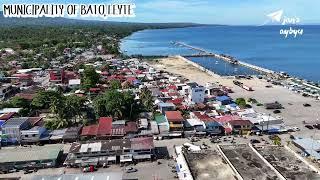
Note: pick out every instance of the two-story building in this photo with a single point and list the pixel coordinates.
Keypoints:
(33, 135)
(242, 127)
(110, 151)
(175, 120)
(13, 127)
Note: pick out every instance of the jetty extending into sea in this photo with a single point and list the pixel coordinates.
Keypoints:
(229, 59)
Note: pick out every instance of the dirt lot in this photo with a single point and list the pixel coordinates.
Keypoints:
(247, 163)
(287, 164)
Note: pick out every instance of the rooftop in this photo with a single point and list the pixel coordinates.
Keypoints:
(174, 116)
(15, 122)
(160, 119)
(105, 125)
(81, 176)
(90, 130)
(34, 153)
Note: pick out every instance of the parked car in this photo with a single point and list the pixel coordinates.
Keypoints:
(254, 141)
(306, 105)
(308, 126)
(317, 126)
(293, 129)
(131, 170)
(276, 111)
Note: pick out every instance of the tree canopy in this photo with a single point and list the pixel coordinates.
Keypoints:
(90, 77)
(116, 104)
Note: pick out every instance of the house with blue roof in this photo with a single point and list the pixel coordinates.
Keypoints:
(224, 100)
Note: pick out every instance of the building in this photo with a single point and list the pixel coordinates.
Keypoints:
(166, 107)
(81, 176)
(110, 151)
(143, 123)
(57, 76)
(36, 156)
(72, 134)
(224, 100)
(242, 127)
(175, 120)
(12, 128)
(163, 124)
(263, 122)
(212, 89)
(6, 116)
(104, 127)
(310, 147)
(103, 130)
(23, 80)
(74, 83)
(34, 134)
(197, 94)
(90, 131)
(213, 127)
(194, 125)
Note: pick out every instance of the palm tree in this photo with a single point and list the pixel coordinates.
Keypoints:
(146, 99)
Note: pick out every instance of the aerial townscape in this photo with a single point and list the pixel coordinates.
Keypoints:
(74, 105)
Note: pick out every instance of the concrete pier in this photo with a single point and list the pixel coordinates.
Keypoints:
(229, 59)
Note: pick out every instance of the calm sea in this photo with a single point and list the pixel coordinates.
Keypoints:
(259, 45)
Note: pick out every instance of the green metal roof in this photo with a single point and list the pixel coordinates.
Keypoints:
(160, 119)
(34, 153)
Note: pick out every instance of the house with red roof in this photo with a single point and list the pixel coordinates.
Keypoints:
(175, 120)
(22, 79)
(104, 127)
(89, 131)
(102, 130)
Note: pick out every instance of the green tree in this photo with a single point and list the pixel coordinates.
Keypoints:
(90, 77)
(74, 106)
(115, 84)
(241, 102)
(20, 102)
(43, 99)
(146, 99)
(116, 104)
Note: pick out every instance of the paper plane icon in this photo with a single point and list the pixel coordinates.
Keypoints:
(276, 16)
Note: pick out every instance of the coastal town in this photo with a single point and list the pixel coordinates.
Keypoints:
(99, 116)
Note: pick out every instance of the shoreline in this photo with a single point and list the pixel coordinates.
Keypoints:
(293, 114)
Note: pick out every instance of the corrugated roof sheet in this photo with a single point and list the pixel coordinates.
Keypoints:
(142, 143)
(174, 116)
(160, 119)
(89, 130)
(81, 176)
(30, 154)
(6, 116)
(105, 125)
(14, 122)
(131, 127)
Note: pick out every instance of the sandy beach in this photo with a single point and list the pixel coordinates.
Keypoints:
(294, 113)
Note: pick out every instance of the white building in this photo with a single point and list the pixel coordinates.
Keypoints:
(197, 94)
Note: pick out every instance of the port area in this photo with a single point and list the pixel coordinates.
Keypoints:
(247, 163)
(208, 165)
(230, 59)
(287, 163)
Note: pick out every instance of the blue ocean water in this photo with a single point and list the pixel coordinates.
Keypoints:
(258, 45)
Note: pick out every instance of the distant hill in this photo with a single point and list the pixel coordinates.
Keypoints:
(46, 21)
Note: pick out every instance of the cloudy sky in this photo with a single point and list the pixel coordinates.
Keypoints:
(231, 12)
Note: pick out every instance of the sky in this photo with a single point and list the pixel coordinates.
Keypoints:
(227, 12)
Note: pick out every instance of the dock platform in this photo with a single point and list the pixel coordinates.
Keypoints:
(229, 59)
